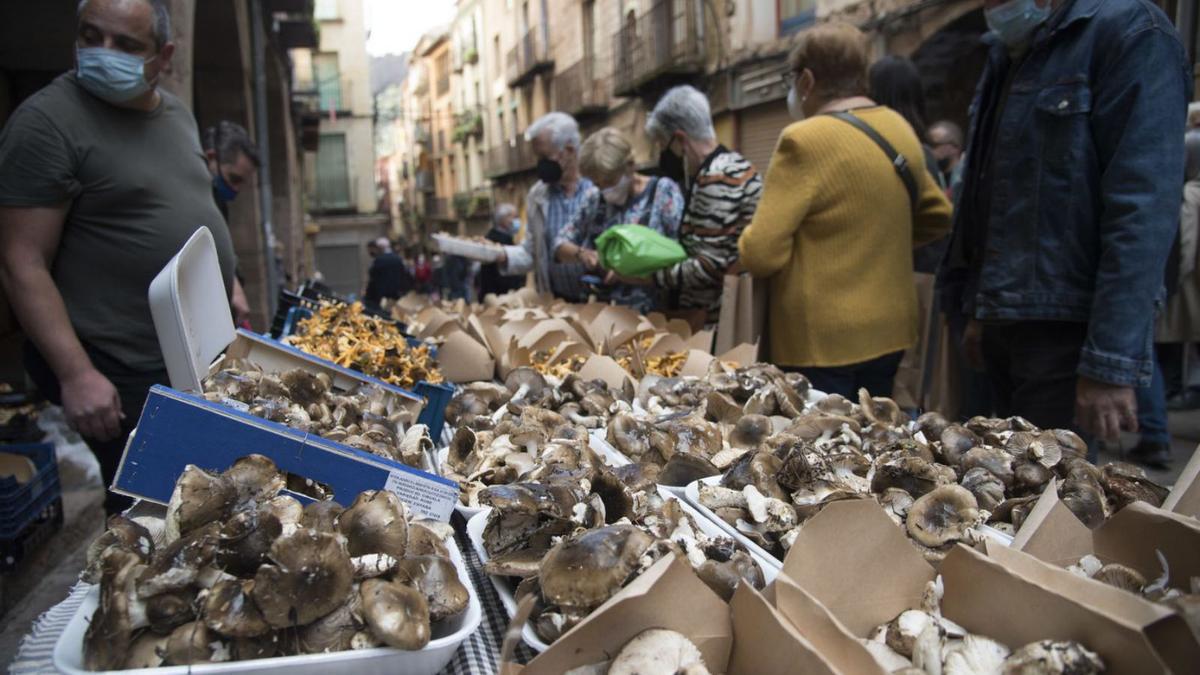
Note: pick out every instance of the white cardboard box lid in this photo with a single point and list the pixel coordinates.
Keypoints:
(191, 311)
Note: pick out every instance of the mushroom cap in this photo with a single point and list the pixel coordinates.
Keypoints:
(424, 541)
(749, 431)
(759, 469)
(176, 565)
(398, 615)
(1125, 484)
(123, 533)
(146, 651)
(255, 477)
(1029, 477)
(199, 498)
(998, 461)
(188, 644)
(658, 652)
(616, 496)
(437, 579)
(881, 411)
(334, 631)
(377, 522)
(724, 576)
(683, 468)
(1121, 576)
(304, 387)
(587, 569)
(932, 424)
(720, 407)
(527, 377)
(167, 611)
(909, 473)
(636, 477)
(230, 611)
(246, 540)
(987, 488)
(310, 578)
(110, 632)
(1086, 501)
(942, 516)
(956, 440)
(321, 516)
(1051, 657)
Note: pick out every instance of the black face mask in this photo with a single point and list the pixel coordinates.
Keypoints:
(944, 164)
(670, 165)
(549, 171)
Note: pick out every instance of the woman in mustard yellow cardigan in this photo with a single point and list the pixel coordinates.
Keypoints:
(836, 226)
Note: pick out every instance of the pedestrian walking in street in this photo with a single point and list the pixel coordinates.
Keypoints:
(946, 139)
(625, 197)
(233, 162)
(388, 277)
(504, 222)
(837, 224)
(1068, 208)
(551, 204)
(102, 181)
(721, 190)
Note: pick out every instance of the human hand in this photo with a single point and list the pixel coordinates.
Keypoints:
(92, 405)
(240, 305)
(590, 258)
(1103, 410)
(972, 344)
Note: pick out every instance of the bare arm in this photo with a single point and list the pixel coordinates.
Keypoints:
(29, 237)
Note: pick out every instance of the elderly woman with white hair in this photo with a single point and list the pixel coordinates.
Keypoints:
(551, 204)
(722, 190)
(625, 197)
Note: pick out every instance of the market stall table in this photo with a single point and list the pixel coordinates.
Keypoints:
(479, 654)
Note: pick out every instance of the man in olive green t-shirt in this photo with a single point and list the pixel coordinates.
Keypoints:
(102, 180)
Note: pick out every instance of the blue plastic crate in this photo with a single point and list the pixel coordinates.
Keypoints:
(21, 505)
(294, 316)
(433, 415)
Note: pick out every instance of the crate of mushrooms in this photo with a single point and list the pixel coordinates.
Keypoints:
(239, 573)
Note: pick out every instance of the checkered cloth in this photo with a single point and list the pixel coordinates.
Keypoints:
(480, 653)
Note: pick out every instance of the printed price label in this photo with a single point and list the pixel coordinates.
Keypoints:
(430, 498)
(236, 405)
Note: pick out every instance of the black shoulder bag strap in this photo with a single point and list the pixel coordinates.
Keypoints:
(898, 161)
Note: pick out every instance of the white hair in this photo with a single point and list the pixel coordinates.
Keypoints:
(162, 20)
(563, 130)
(503, 211)
(682, 108)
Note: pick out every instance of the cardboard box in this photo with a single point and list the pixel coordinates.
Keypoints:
(851, 570)
(1185, 495)
(766, 643)
(668, 595)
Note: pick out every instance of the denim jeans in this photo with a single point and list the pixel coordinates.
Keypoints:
(1152, 409)
(876, 376)
(1033, 369)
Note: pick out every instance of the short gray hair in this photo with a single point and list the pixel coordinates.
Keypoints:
(563, 129)
(230, 139)
(503, 211)
(682, 108)
(162, 20)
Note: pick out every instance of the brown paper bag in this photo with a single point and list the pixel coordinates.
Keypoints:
(743, 312)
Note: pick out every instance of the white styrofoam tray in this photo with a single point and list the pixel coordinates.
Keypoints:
(606, 452)
(472, 250)
(475, 527)
(430, 660)
(692, 496)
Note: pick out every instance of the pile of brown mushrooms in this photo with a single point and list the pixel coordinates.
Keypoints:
(578, 536)
(1181, 595)
(523, 430)
(367, 418)
(921, 641)
(239, 571)
(936, 479)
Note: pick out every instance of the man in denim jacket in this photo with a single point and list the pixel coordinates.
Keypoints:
(1069, 207)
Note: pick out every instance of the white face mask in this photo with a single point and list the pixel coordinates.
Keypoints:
(795, 104)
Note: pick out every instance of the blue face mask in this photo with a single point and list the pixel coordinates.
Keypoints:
(1016, 20)
(225, 191)
(111, 75)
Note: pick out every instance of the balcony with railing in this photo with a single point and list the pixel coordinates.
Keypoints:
(468, 124)
(529, 58)
(327, 95)
(423, 181)
(506, 159)
(475, 203)
(662, 46)
(466, 55)
(579, 91)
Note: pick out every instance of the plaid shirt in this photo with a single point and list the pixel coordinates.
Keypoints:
(549, 209)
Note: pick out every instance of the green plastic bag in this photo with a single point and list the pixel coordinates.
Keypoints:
(637, 251)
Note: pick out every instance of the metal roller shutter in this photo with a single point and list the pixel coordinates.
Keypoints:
(758, 131)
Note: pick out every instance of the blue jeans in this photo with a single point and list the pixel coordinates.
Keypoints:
(1152, 409)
